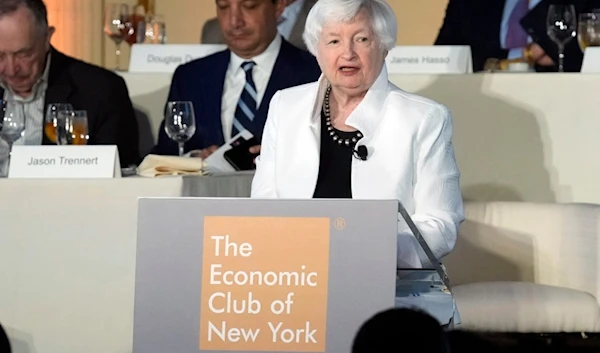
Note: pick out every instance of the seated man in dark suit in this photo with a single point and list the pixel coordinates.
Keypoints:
(231, 90)
(290, 24)
(34, 73)
(509, 29)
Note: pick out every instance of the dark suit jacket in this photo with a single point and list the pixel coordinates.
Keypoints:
(477, 23)
(103, 94)
(211, 31)
(201, 81)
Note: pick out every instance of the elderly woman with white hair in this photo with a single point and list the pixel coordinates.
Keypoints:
(353, 134)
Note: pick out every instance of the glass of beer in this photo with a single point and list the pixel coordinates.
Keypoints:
(51, 116)
(588, 31)
(72, 128)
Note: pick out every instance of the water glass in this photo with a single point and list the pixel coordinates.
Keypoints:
(72, 128)
(51, 117)
(588, 30)
(152, 30)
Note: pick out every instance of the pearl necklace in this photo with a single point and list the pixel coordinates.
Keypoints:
(349, 142)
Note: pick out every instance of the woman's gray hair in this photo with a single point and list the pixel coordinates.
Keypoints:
(383, 20)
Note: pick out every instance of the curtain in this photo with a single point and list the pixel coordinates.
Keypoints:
(78, 28)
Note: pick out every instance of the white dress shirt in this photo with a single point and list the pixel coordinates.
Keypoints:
(235, 79)
(33, 109)
(288, 18)
(411, 159)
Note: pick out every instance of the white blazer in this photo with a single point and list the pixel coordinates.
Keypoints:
(411, 159)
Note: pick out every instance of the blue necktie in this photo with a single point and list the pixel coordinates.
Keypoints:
(246, 107)
(516, 37)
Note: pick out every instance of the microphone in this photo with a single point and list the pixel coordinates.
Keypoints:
(361, 153)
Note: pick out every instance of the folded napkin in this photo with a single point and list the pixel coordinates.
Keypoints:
(155, 165)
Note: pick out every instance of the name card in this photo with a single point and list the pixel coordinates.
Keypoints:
(591, 60)
(438, 59)
(166, 57)
(64, 162)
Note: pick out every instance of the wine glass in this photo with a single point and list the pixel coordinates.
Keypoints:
(133, 25)
(130, 32)
(115, 26)
(72, 128)
(51, 116)
(180, 123)
(561, 25)
(12, 124)
(588, 30)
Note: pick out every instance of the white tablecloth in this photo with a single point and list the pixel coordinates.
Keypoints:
(518, 136)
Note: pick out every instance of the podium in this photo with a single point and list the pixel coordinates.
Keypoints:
(250, 275)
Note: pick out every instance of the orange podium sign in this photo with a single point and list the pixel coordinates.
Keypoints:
(264, 284)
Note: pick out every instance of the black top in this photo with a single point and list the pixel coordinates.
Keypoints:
(335, 168)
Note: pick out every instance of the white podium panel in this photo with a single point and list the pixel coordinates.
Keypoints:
(249, 275)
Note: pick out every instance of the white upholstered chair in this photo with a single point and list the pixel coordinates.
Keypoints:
(527, 267)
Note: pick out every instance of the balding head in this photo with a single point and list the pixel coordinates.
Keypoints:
(24, 42)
